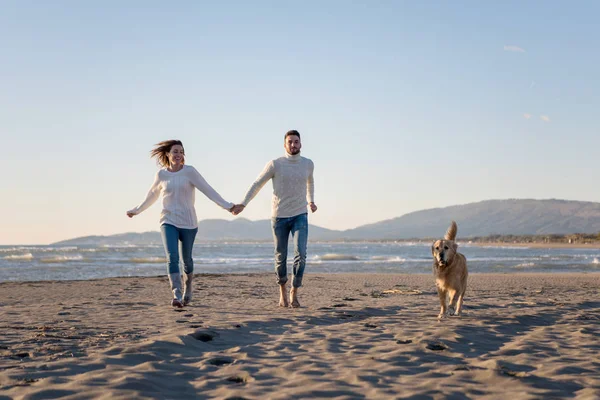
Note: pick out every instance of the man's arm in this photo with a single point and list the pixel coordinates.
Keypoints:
(310, 188)
(267, 173)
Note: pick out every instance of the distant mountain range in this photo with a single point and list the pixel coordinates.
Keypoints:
(503, 217)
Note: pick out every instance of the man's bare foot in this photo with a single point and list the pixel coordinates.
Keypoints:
(294, 298)
(282, 296)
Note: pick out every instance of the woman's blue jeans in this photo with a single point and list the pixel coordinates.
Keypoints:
(282, 228)
(175, 239)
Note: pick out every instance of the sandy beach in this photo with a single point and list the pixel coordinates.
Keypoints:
(370, 336)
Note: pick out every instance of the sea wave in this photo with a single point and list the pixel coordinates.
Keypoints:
(22, 257)
(337, 257)
(500, 259)
(9, 250)
(386, 259)
(524, 265)
(60, 259)
(242, 261)
(497, 247)
(37, 249)
(95, 250)
(413, 244)
(120, 246)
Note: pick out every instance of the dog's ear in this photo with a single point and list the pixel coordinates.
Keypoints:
(432, 250)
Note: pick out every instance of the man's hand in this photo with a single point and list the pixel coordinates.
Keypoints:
(236, 209)
(130, 214)
(313, 207)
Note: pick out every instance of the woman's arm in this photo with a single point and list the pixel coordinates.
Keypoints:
(200, 183)
(151, 197)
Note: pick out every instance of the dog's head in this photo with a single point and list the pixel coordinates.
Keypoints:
(443, 252)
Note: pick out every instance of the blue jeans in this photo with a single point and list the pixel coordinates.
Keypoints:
(172, 237)
(298, 227)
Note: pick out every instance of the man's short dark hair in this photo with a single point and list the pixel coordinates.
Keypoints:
(293, 132)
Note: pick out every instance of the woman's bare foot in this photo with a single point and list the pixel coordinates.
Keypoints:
(294, 298)
(282, 296)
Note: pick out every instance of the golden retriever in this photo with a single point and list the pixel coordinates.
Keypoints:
(450, 271)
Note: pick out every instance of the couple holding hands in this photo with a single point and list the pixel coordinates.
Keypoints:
(293, 189)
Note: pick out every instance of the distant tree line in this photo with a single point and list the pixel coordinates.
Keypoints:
(572, 238)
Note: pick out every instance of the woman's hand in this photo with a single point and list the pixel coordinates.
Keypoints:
(131, 213)
(236, 209)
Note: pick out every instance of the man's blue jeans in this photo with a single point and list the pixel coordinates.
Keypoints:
(282, 228)
(172, 237)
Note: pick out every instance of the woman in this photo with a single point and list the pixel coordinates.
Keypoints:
(178, 223)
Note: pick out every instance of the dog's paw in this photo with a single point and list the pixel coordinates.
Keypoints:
(440, 316)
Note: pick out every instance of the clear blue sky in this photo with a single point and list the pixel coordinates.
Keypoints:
(403, 105)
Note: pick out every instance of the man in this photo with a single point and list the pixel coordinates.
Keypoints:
(293, 188)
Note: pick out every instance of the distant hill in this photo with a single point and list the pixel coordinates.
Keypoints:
(208, 230)
(244, 229)
(502, 217)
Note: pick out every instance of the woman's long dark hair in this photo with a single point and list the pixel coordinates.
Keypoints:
(161, 149)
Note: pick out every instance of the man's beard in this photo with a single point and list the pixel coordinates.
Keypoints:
(294, 152)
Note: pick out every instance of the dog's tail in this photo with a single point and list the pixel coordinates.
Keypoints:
(451, 232)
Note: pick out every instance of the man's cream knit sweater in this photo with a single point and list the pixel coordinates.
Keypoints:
(293, 185)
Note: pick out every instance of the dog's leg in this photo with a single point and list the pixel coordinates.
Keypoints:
(459, 303)
(442, 295)
(453, 296)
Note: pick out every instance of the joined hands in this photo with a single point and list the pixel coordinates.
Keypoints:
(236, 209)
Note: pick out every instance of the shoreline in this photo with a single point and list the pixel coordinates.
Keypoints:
(201, 275)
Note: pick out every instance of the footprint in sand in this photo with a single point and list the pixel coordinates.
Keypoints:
(20, 356)
(339, 305)
(238, 379)
(219, 361)
(26, 381)
(437, 346)
(204, 336)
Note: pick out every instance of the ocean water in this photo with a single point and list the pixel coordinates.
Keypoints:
(32, 263)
